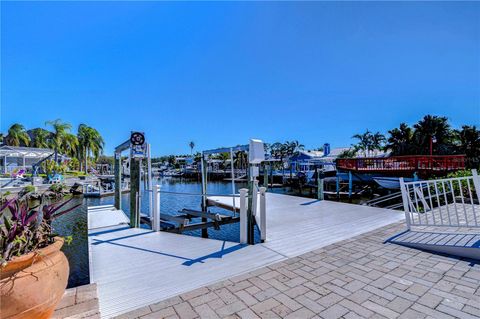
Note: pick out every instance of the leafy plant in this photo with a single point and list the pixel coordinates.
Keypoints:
(29, 189)
(58, 188)
(50, 167)
(466, 185)
(24, 229)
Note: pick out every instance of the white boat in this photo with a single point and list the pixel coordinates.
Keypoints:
(391, 182)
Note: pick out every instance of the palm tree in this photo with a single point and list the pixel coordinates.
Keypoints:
(377, 141)
(17, 135)
(279, 150)
(192, 145)
(40, 138)
(70, 144)
(1, 138)
(469, 139)
(294, 147)
(350, 153)
(364, 142)
(60, 131)
(433, 128)
(90, 142)
(400, 141)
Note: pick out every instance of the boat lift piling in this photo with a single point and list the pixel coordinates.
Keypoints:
(139, 150)
(319, 176)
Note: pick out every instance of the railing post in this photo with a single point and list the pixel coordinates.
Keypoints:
(243, 215)
(405, 202)
(476, 183)
(263, 214)
(156, 208)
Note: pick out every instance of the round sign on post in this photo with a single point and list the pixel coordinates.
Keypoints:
(137, 145)
(137, 138)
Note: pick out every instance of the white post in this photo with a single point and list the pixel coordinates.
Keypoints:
(476, 183)
(263, 214)
(233, 179)
(156, 208)
(243, 215)
(204, 183)
(405, 202)
(149, 177)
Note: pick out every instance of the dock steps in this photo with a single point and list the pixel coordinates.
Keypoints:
(106, 216)
(457, 244)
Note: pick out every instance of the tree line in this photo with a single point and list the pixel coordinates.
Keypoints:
(432, 134)
(84, 146)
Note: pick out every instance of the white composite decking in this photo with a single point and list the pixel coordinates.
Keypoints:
(136, 267)
(296, 225)
(105, 216)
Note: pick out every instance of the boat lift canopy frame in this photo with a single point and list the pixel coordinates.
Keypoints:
(135, 194)
(252, 168)
(238, 148)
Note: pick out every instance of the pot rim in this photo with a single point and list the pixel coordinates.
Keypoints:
(56, 245)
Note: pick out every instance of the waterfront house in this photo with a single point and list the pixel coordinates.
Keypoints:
(19, 157)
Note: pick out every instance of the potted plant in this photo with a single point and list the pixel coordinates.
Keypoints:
(33, 270)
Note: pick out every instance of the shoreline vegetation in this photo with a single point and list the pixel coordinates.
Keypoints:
(431, 135)
(83, 148)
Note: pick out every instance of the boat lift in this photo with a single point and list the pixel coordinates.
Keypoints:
(256, 155)
(247, 205)
(139, 150)
(242, 203)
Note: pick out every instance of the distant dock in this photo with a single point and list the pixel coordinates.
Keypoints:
(134, 267)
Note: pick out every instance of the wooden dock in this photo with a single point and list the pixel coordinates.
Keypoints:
(135, 267)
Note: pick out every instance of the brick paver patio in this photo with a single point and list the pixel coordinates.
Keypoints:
(356, 278)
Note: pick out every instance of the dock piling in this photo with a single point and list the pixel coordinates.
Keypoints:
(204, 192)
(135, 196)
(338, 186)
(350, 185)
(118, 180)
(156, 208)
(263, 214)
(319, 178)
(243, 215)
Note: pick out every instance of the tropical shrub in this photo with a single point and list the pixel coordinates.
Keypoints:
(29, 189)
(25, 229)
(58, 188)
(73, 164)
(49, 166)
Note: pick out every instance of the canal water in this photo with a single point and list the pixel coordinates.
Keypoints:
(75, 223)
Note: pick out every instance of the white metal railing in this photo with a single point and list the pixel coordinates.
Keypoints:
(451, 202)
(258, 198)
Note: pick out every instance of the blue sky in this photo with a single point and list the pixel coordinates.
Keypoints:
(220, 73)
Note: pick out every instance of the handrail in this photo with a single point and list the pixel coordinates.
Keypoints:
(403, 163)
(449, 202)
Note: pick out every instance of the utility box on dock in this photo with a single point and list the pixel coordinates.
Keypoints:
(256, 152)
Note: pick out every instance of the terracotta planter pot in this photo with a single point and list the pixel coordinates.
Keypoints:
(32, 285)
